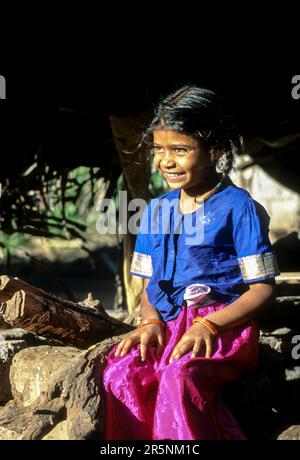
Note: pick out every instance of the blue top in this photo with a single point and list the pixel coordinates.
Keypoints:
(223, 244)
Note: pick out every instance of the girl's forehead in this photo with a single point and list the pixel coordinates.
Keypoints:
(168, 137)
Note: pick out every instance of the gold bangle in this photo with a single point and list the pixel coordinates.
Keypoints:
(145, 322)
(206, 323)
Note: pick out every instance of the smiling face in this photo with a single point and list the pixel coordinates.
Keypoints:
(182, 160)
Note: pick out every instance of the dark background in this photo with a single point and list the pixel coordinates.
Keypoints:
(65, 104)
(259, 93)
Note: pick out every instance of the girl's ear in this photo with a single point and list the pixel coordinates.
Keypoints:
(215, 154)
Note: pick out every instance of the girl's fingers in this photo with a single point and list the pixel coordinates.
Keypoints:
(124, 346)
(208, 348)
(196, 349)
(119, 348)
(174, 353)
(177, 353)
(127, 346)
(143, 348)
(160, 346)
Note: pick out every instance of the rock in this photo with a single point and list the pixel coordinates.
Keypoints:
(8, 435)
(273, 342)
(282, 331)
(20, 334)
(8, 348)
(291, 434)
(58, 433)
(5, 391)
(11, 342)
(33, 368)
(278, 341)
(7, 351)
(74, 392)
(293, 373)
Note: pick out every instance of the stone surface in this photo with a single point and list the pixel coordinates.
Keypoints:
(7, 351)
(5, 391)
(273, 342)
(292, 373)
(278, 341)
(20, 334)
(8, 435)
(73, 392)
(291, 434)
(33, 368)
(58, 433)
(282, 331)
(8, 348)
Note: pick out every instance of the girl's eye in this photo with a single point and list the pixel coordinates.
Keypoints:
(180, 150)
(157, 150)
(176, 150)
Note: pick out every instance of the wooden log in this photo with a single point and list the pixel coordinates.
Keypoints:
(9, 286)
(54, 320)
(3, 324)
(74, 395)
(45, 314)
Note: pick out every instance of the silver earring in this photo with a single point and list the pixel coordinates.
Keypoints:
(222, 164)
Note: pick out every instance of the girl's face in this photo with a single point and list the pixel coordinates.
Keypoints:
(181, 159)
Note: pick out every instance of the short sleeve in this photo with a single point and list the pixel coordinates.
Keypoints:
(141, 264)
(256, 256)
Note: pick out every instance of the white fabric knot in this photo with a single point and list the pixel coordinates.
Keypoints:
(196, 293)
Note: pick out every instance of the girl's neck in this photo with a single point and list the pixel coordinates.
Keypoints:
(200, 191)
(191, 200)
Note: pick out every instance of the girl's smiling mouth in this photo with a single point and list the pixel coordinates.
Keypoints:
(173, 177)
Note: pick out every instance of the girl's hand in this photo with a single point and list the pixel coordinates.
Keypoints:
(198, 338)
(145, 335)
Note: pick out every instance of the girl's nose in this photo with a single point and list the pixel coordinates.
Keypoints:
(167, 160)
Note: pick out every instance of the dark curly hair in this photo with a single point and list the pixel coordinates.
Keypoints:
(197, 112)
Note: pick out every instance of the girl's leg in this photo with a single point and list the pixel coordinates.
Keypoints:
(188, 404)
(130, 388)
(181, 400)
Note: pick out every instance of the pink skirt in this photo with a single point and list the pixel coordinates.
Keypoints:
(154, 400)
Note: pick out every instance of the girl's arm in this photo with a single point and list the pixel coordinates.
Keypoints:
(199, 339)
(144, 336)
(246, 307)
(147, 310)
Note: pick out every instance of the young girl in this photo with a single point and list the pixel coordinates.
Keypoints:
(201, 290)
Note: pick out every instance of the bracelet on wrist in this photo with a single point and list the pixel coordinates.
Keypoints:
(207, 324)
(147, 321)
